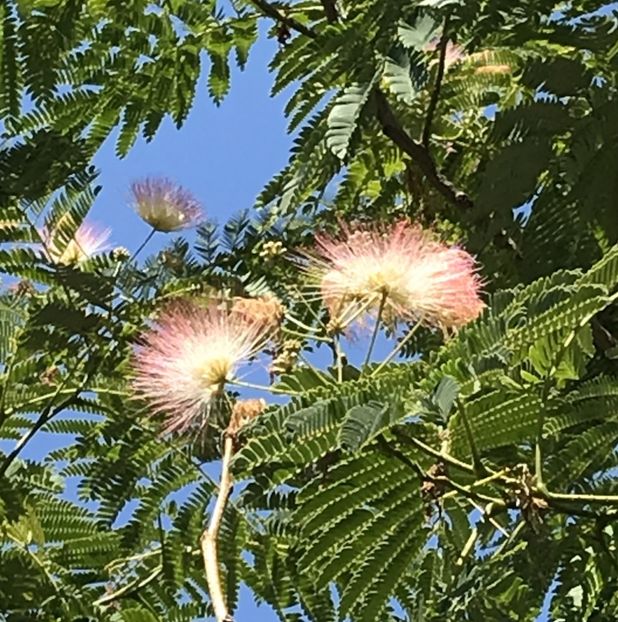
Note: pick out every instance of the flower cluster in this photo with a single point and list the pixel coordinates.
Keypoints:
(164, 205)
(189, 354)
(400, 272)
(397, 272)
(87, 241)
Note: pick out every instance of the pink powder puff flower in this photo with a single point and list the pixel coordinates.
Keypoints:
(164, 205)
(399, 268)
(87, 241)
(188, 355)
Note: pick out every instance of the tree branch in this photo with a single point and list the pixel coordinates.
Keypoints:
(130, 588)
(435, 94)
(390, 125)
(46, 415)
(393, 130)
(208, 541)
(446, 458)
(330, 10)
(269, 10)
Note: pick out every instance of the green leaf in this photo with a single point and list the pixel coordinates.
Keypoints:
(343, 117)
(419, 36)
(363, 423)
(496, 420)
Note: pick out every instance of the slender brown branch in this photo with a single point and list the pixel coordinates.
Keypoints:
(393, 130)
(390, 125)
(209, 538)
(46, 415)
(435, 94)
(269, 10)
(330, 10)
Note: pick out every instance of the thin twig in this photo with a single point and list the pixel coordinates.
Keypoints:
(582, 498)
(339, 359)
(46, 415)
(376, 329)
(261, 387)
(435, 94)
(468, 547)
(393, 130)
(208, 541)
(397, 348)
(268, 10)
(443, 457)
(538, 454)
(130, 588)
(476, 458)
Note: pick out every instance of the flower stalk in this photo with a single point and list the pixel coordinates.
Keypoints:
(208, 541)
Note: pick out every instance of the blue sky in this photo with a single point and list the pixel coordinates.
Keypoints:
(224, 155)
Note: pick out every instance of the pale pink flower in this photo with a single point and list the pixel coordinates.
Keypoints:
(164, 205)
(188, 355)
(402, 269)
(87, 241)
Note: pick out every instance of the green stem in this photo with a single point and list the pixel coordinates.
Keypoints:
(538, 452)
(467, 491)
(312, 336)
(142, 245)
(441, 456)
(129, 588)
(469, 545)
(261, 387)
(583, 498)
(476, 458)
(339, 362)
(397, 348)
(358, 312)
(376, 329)
(300, 324)
(136, 253)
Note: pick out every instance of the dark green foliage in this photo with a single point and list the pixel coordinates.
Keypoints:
(476, 479)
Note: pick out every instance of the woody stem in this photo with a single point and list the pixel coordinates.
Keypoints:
(208, 541)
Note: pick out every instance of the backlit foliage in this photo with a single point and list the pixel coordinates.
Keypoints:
(464, 474)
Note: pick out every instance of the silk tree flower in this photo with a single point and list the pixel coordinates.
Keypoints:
(399, 269)
(87, 241)
(188, 355)
(164, 205)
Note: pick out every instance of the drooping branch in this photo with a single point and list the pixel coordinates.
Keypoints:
(208, 541)
(435, 93)
(422, 158)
